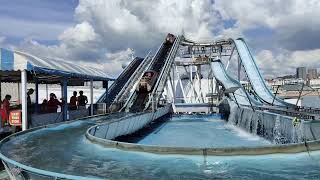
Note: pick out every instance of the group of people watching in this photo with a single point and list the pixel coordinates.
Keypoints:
(51, 106)
(79, 102)
(76, 102)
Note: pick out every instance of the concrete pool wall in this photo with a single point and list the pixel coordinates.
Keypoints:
(127, 125)
(276, 128)
(279, 129)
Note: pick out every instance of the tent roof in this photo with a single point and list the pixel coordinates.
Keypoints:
(18, 61)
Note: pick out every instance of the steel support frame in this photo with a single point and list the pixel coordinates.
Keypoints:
(239, 68)
(180, 83)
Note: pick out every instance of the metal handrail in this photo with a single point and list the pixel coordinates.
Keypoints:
(164, 72)
(135, 82)
(130, 83)
(103, 96)
(132, 96)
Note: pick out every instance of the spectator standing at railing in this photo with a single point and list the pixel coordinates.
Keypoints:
(30, 107)
(30, 92)
(73, 101)
(82, 100)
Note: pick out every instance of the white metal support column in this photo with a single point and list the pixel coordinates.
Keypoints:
(230, 57)
(181, 86)
(91, 97)
(24, 100)
(174, 83)
(239, 68)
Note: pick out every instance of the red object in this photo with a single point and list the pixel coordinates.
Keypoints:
(3, 116)
(15, 118)
(5, 110)
(53, 105)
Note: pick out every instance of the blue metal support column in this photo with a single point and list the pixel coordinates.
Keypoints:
(65, 99)
(37, 95)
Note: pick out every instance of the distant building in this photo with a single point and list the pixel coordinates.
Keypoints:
(312, 73)
(302, 73)
(315, 83)
(274, 83)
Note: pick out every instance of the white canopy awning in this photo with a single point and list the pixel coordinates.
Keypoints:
(18, 61)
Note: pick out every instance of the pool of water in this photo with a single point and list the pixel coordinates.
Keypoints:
(205, 131)
(64, 149)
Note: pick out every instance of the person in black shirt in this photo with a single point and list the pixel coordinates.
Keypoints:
(73, 101)
(30, 92)
(82, 100)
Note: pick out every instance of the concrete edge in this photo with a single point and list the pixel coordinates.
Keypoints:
(232, 151)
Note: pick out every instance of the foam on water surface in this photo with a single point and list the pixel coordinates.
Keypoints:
(200, 131)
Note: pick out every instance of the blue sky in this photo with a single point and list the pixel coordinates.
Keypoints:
(19, 18)
(104, 32)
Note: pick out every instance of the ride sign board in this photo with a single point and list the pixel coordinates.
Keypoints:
(15, 118)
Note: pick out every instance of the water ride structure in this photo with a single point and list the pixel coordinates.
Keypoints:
(180, 113)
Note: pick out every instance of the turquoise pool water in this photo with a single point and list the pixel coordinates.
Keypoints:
(203, 131)
(64, 149)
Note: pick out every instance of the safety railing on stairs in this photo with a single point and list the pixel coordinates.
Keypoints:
(160, 84)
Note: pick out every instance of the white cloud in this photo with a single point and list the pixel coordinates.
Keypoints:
(82, 32)
(309, 58)
(286, 62)
(117, 60)
(2, 39)
(141, 24)
(106, 30)
(120, 55)
(293, 21)
(230, 33)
